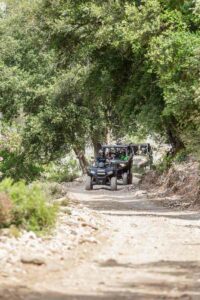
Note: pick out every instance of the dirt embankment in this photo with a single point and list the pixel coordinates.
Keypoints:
(181, 181)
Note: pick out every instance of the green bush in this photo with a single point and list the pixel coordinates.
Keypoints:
(167, 161)
(165, 164)
(16, 166)
(52, 190)
(5, 209)
(181, 156)
(30, 208)
(62, 172)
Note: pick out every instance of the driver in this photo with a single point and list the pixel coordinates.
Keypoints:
(100, 157)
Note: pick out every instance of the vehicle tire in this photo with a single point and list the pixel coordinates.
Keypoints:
(88, 184)
(113, 183)
(125, 178)
(130, 179)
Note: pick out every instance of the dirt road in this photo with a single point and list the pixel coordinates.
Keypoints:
(148, 252)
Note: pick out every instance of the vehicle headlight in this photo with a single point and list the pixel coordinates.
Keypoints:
(110, 172)
(92, 172)
(122, 165)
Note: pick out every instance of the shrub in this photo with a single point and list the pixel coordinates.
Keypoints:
(52, 190)
(181, 156)
(168, 160)
(65, 171)
(16, 166)
(30, 208)
(5, 209)
(165, 164)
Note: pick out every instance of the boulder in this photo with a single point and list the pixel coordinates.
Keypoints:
(33, 259)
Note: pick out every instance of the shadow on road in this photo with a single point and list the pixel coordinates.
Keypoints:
(125, 203)
(28, 295)
(129, 206)
(189, 217)
(182, 279)
(185, 283)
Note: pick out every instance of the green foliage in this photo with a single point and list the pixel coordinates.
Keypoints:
(5, 210)
(62, 171)
(168, 160)
(181, 156)
(15, 163)
(77, 68)
(165, 164)
(65, 202)
(17, 167)
(30, 209)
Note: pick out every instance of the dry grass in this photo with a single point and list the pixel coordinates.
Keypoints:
(5, 209)
(181, 179)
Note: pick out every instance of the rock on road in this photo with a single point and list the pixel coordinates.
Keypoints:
(148, 252)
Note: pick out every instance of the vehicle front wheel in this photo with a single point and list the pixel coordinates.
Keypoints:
(88, 183)
(125, 178)
(113, 183)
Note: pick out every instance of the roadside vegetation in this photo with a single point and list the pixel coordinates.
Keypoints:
(65, 170)
(25, 207)
(169, 159)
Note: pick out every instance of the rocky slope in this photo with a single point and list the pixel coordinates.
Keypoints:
(76, 225)
(181, 184)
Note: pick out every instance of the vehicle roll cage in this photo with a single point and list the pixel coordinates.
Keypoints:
(144, 148)
(116, 149)
(130, 149)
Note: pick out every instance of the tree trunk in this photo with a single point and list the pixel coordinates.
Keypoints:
(108, 136)
(82, 159)
(97, 146)
(171, 126)
(175, 141)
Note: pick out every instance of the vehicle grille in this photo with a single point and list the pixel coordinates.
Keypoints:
(101, 172)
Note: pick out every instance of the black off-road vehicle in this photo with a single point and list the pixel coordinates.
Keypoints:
(113, 163)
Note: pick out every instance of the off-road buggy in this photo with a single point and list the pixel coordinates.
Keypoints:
(143, 150)
(113, 163)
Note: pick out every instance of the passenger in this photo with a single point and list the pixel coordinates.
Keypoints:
(117, 155)
(108, 154)
(124, 156)
(113, 155)
(143, 149)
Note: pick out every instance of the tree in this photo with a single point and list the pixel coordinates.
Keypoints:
(83, 69)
